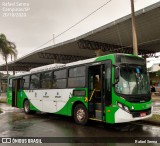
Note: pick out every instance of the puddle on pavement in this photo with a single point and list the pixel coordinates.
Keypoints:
(156, 103)
(11, 133)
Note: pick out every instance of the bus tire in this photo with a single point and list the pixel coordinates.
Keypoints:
(80, 114)
(27, 107)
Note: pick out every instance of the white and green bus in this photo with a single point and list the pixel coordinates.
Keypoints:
(113, 88)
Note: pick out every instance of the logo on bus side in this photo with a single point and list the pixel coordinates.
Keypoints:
(57, 96)
(45, 95)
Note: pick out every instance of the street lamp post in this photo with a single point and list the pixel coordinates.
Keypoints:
(134, 33)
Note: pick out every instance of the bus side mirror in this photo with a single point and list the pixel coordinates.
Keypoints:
(116, 75)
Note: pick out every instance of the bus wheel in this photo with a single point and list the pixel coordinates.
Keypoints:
(80, 114)
(27, 107)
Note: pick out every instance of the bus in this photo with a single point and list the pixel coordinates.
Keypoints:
(113, 88)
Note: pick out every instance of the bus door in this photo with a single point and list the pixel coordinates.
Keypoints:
(96, 91)
(16, 87)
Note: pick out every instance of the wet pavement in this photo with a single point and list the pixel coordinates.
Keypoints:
(15, 123)
(155, 119)
(156, 105)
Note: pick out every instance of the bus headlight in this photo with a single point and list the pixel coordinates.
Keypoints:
(126, 108)
(120, 105)
(123, 107)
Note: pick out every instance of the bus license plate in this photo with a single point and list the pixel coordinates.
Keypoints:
(142, 114)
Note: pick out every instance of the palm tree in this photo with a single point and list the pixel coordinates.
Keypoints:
(7, 48)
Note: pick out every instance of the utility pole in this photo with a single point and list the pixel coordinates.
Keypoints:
(53, 39)
(134, 33)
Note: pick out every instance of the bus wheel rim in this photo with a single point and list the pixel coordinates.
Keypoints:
(26, 106)
(80, 115)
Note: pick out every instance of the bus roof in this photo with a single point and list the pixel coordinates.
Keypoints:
(55, 66)
(59, 65)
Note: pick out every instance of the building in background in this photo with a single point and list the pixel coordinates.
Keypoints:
(154, 73)
(3, 82)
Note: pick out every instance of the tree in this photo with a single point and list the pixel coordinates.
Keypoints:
(1, 76)
(7, 49)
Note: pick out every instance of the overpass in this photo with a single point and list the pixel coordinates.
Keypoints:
(115, 37)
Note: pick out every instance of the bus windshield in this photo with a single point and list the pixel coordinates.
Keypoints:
(133, 80)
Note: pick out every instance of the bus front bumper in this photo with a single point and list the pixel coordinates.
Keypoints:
(122, 116)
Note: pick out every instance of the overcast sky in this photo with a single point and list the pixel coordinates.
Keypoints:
(48, 17)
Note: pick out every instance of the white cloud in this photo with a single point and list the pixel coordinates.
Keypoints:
(48, 17)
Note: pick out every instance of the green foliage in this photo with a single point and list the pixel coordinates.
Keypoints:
(7, 49)
(158, 73)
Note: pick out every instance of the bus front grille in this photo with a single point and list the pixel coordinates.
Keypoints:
(138, 113)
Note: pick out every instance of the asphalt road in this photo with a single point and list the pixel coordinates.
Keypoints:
(156, 104)
(15, 123)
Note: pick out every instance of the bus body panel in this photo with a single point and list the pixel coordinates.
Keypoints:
(61, 101)
(122, 116)
(52, 101)
(115, 114)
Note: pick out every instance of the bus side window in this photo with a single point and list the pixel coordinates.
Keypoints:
(77, 77)
(35, 81)
(60, 79)
(54, 85)
(22, 83)
(108, 82)
(46, 80)
(26, 82)
(10, 83)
